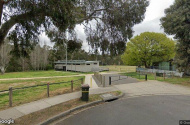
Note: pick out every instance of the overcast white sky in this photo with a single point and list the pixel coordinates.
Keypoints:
(151, 22)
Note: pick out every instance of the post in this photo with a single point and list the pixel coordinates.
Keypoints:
(146, 77)
(48, 90)
(139, 74)
(81, 81)
(155, 75)
(119, 77)
(101, 78)
(91, 82)
(164, 75)
(10, 96)
(110, 80)
(71, 85)
(172, 74)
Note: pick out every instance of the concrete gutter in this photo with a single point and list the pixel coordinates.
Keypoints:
(66, 113)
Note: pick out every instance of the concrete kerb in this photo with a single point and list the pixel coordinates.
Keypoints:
(61, 115)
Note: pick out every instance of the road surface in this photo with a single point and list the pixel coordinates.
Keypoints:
(144, 103)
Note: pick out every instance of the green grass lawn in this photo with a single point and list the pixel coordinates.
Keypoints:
(174, 80)
(31, 94)
(36, 74)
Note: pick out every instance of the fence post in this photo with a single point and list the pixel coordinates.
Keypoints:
(100, 78)
(155, 75)
(71, 85)
(48, 90)
(164, 75)
(110, 80)
(10, 96)
(91, 82)
(81, 81)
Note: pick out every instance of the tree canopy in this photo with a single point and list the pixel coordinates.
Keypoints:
(23, 20)
(147, 48)
(177, 22)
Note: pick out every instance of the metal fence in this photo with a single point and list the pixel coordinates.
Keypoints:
(168, 73)
(11, 90)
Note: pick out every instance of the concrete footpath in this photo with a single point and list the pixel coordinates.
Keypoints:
(19, 111)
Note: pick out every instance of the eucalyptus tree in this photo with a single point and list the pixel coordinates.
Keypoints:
(177, 23)
(23, 20)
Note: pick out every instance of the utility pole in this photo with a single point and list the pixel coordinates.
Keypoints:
(66, 56)
(66, 53)
(96, 53)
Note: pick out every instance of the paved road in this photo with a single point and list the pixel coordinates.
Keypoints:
(148, 110)
(145, 103)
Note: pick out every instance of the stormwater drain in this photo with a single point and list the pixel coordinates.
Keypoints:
(108, 97)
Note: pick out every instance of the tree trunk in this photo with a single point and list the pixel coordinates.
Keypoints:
(145, 64)
(1, 10)
(2, 70)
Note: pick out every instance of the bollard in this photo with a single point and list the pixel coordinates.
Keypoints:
(10, 96)
(119, 77)
(48, 90)
(71, 85)
(146, 77)
(110, 80)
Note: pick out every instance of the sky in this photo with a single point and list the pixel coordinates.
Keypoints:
(151, 23)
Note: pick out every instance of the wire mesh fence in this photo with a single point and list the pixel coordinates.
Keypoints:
(159, 71)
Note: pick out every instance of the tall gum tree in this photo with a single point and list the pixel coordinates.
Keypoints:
(177, 23)
(23, 20)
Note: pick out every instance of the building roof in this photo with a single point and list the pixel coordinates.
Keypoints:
(74, 62)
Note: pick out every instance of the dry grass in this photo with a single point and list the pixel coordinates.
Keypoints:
(42, 115)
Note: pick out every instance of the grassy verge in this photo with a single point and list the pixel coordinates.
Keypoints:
(32, 94)
(31, 74)
(42, 115)
(174, 80)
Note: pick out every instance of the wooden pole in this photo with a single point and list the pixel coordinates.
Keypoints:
(48, 90)
(100, 78)
(164, 75)
(91, 82)
(155, 75)
(10, 96)
(71, 85)
(81, 81)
